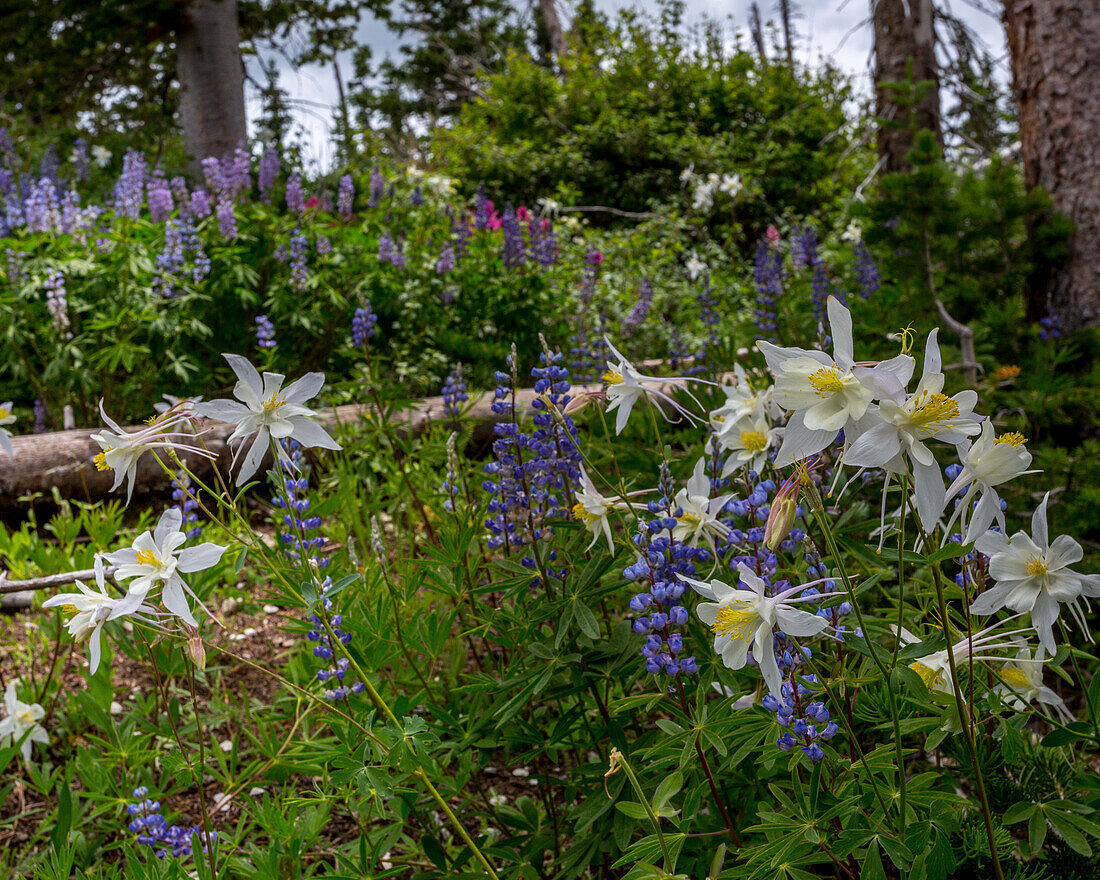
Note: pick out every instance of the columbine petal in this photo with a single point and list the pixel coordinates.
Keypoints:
(199, 557)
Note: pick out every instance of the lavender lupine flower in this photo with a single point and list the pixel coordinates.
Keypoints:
(170, 261)
(159, 195)
(325, 648)
(454, 392)
(345, 197)
(15, 261)
(301, 540)
(513, 248)
(385, 248)
(238, 173)
(708, 313)
(187, 504)
(1050, 325)
(80, 159)
(57, 302)
(227, 219)
(265, 332)
(214, 176)
(362, 325)
(866, 271)
(129, 193)
(482, 209)
(377, 187)
(446, 262)
(324, 246)
(181, 194)
(416, 198)
(398, 258)
(192, 243)
(588, 349)
(297, 255)
(7, 148)
(533, 477)
(768, 276)
(544, 241)
(41, 210)
(70, 211)
(200, 203)
(152, 829)
(39, 416)
(50, 165)
(268, 173)
(641, 306)
(294, 201)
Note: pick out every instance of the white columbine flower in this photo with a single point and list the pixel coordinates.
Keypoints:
(695, 266)
(1022, 683)
(592, 509)
(743, 402)
(1033, 574)
(988, 463)
(626, 386)
(744, 618)
(121, 449)
(93, 609)
(826, 394)
(267, 411)
(731, 185)
(748, 443)
(6, 418)
(935, 668)
(696, 512)
(852, 233)
(900, 427)
(155, 557)
(22, 718)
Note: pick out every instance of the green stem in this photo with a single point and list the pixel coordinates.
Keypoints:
(637, 786)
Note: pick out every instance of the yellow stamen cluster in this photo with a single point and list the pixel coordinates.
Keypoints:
(931, 677)
(613, 377)
(581, 513)
(4, 412)
(908, 338)
(689, 518)
(101, 461)
(932, 411)
(146, 557)
(737, 620)
(274, 403)
(1013, 438)
(754, 441)
(1035, 567)
(1014, 677)
(826, 381)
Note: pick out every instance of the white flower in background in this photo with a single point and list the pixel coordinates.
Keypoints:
(185, 405)
(731, 185)
(1033, 574)
(695, 266)
(548, 207)
(900, 427)
(935, 668)
(697, 514)
(989, 462)
(743, 402)
(440, 184)
(121, 449)
(747, 618)
(852, 233)
(592, 509)
(827, 394)
(101, 156)
(748, 443)
(21, 719)
(626, 386)
(7, 417)
(1022, 684)
(687, 175)
(92, 609)
(155, 557)
(267, 411)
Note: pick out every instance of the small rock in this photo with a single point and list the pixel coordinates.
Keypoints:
(116, 707)
(249, 631)
(230, 605)
(222, 802)
(271, 609)
(521, 772)
(255, 792)
(226, 745)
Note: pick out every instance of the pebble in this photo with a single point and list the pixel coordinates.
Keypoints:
(226, 745)
(521, 772)
(116, 707)
(222, 802)
(271, 609)
(230, 605)
(255, 792)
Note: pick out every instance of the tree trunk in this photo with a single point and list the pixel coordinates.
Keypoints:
(756, 28)
(211, 77)
(788, 32)
(555, 35)
(905, 46)
(1054, 47)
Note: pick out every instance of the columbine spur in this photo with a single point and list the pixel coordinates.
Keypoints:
(267, 411)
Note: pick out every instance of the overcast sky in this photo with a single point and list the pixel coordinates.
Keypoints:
(837, 29)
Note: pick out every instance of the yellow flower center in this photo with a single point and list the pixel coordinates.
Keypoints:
(931, 677)
(737, 620)
(613, 377)
(1014, 438)
(4, 412)
(933, 410)
(101, 461)
(274, 403)
(826, 381)
(1014, 677)
(68, 609)
(27, 718)
(690, 518)
(754, 441)
(1035, 567)
(146, 557)
(580, 512)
